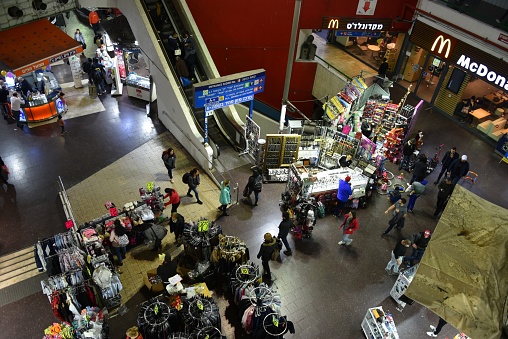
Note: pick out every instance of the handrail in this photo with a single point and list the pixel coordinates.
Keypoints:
(331, 66)
(175, 76)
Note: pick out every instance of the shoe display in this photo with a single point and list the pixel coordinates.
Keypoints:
(431, 334)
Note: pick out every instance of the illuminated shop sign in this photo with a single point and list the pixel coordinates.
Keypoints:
(482, 71)
(443, 45)
(356, 24)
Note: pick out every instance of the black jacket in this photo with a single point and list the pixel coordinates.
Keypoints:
(445, 190)
(399, 250)
(448, 159)
(177, 226)
(4, 94)
(458, 169)
(420, 241)
(252, 181)
(284, 227)
(194, 181)
(408, 149)
(420, 170)
(343, 162)
(266, 250)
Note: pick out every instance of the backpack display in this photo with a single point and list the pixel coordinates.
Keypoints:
(258, 183)
(185, 178)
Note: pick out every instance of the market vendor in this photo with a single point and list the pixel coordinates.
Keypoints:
(345, 161)
(24, 86)
(344, 193)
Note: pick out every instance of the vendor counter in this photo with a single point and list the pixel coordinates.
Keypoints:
(41, 108)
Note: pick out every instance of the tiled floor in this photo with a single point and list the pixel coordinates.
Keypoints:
(326, 289)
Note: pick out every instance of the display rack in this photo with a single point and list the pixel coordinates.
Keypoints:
(378, 325)
(277, 174)
(401, 285)
(335, 145)
(252, 135)
(281, 150)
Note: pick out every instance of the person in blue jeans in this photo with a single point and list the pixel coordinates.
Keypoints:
(416, 189)
(194, 182)
(119, 241)
(284, 227)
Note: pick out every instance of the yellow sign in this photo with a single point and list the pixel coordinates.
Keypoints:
(150, 185)
(442, 43)
(333, 24)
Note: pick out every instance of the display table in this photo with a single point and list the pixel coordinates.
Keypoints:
(401, 285)
(40, 109)
(138, 87)
(378, 325)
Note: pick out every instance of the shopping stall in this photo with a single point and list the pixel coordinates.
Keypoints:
(39, 90)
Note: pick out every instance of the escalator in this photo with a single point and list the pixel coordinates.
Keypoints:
(225, 135)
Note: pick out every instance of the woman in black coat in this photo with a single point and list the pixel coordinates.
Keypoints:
(265, 254)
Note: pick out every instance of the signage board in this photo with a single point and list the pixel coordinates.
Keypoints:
(443, 45)
(356, 24)
(503, 38)
(229, 90)
(366, 7)
(483, 71)
(358, 33)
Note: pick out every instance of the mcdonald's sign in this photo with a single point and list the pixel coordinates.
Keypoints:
(443, 45)
(330, 23)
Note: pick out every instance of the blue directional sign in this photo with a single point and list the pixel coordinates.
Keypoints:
(229, 90)
(358, 33)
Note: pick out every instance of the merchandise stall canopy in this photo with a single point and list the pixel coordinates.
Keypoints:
(463, 275)
(34, 46)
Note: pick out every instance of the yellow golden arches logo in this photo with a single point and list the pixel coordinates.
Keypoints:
(333, 24)
(442, 43)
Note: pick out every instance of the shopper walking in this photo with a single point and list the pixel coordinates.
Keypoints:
(419, 169)
(4, 172)
(445, 188)
(169, 159)
(176, 225)
(119, 241)
(458, 169)
(436, 329)
(4, 99)
(415, 190)
(383, 68)
(98, 77)
(78, 36)
(349, 226)
(420, 242)
(284, 227)
(407, 152)
(94, 20)
(398, 216)
(174, 48)
(61, 123)
(194, 181)
(398, 254)
(190, 58)
(174, 199)
(344, 193)
(265, 254)
(255, 184)
(225, 197)
(16, 103)
(449, 157)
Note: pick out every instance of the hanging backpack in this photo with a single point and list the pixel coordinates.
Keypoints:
(185, 178)
(258, 183)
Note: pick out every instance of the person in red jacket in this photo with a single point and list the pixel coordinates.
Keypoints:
(174, 199)
(350, 225)
(94, 20)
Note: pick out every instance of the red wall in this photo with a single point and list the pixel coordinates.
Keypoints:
(245, 35)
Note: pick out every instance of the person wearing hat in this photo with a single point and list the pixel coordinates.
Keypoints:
(344, 193)
(265, 254)
(133, 333)
(420, 241)
(458, 169)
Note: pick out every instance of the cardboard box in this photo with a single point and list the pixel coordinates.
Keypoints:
(155, 288)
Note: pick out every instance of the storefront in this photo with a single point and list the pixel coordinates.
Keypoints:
(370, 40)
(443, 69)
(34, 67)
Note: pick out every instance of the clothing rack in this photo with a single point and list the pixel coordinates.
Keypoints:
(200, 312)
(156, 319)
(247, 274)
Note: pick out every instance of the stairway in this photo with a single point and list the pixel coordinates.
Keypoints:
(17, 266)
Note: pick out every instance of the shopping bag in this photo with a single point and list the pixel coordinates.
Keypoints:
(245, 191)
(186, 82)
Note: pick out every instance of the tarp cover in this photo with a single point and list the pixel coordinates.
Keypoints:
(463, 274)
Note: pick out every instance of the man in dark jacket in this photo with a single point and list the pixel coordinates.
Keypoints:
(445, 191)
(176, 225)
(284, 227)
(398, 254)
(458, 169)
(4, 95)
(419, 169)
(420, 242)
(98, 77)
(155, 233)
(265, 254)
(448, 158)
(255, 184)
(173, 45)
(407, 153)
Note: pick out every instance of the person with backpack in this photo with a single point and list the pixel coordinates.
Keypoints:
(97, 76)
(193, 182)
(255, 184)
(169, 159)
(119, 241)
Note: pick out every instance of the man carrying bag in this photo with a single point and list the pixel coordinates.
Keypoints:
(155, 233)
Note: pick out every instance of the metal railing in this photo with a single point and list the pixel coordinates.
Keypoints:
(328, 65)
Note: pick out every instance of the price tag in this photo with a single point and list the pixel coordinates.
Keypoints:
(244, 270)
(275, 321)
(150, 185)
(156, 309)
(200, 305)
